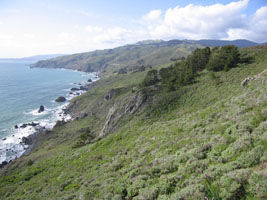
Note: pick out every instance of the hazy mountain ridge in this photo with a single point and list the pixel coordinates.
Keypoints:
(34, 58)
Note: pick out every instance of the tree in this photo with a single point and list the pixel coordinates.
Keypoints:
(199, 59)
(223, 58)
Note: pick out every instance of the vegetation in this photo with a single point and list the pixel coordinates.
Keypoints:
(224, 58)
(201, 141)
(184, 72)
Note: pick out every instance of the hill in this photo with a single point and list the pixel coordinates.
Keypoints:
(133, 57)
(204, 140)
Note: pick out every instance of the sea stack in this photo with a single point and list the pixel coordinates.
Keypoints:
(41, 109)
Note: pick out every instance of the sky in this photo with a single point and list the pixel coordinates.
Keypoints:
(34, 27)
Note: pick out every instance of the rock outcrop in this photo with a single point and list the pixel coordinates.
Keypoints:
(249, 79)
(109, 95)
(115, 113)
(26, 140)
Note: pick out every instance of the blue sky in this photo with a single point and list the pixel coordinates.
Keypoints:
(30, 27)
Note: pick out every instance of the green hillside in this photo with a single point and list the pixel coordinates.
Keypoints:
(205, 138)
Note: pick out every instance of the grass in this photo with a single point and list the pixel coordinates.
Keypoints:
(203, 141)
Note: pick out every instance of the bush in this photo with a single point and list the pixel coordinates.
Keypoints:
(151, 78)
(84, 138)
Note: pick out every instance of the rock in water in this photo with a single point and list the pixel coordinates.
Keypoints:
(41, 109)
(89, 80)
(16, 127)
(23, 126)
(74, 89)
(60, 99)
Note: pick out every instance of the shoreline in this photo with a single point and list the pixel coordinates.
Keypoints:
(29, 142)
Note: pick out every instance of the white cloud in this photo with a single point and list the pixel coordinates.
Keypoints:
(66, 36)
(152, 15)
(217, 21)
(197, 22)
(93, 28)
(254, 29)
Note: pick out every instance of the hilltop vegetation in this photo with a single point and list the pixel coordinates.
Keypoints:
(203, 138)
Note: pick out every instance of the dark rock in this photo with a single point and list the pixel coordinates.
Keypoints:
(41, 109)
(70, 93)
(82, 88)
(46, 132)
(84, 115)
(61, 99)
(109, 95)
(74, 89)
(23, 126)
(89, 80)
(78, 93)
(16, 127)
(3, 164)
(33, 124)
(26, 140)
(3, 139)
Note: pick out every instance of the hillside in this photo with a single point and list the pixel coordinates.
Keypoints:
(133, 57)
(204, 140)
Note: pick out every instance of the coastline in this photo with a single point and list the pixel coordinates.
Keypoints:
(36, 130)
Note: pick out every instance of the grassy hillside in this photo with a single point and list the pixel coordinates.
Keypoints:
(204, 140)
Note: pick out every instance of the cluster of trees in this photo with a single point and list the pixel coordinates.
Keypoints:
(184, 72)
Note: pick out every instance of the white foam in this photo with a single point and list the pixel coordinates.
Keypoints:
(36, 113)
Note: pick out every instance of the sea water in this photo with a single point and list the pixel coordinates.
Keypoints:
(22, 91)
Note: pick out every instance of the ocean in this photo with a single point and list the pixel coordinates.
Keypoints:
(22, 91)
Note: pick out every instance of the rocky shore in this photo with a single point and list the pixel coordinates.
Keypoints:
(30, 142)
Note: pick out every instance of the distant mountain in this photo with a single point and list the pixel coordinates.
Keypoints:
(34, 58)
(238, 43)
(132, 57)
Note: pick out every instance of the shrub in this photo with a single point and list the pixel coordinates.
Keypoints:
(151, 78)
(84, 138)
